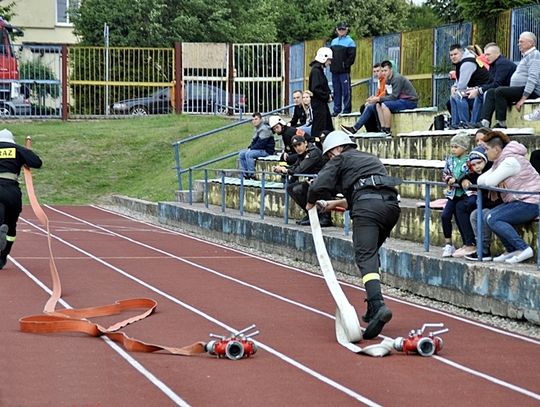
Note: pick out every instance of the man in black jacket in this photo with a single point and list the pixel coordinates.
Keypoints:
(12, 158)
(500, 72)
(309, 160)
(372, 200)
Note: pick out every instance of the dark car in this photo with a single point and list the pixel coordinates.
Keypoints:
(199, 98)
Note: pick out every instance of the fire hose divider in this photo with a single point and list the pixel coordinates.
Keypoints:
(348, 330)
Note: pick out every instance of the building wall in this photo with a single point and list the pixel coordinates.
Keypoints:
(38, 20)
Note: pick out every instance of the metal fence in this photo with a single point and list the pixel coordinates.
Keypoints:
(218, 78)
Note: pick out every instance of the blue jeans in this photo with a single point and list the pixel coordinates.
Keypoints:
(342, 92)
(477, 108)
(369, 112)
(502, 218)
(460, 109)
(247, 160)
(399, 105)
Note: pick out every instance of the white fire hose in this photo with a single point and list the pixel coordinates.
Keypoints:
(348, 330)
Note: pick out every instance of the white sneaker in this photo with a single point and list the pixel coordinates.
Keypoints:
(521, 256)
(448, 250)
(505, 256)
(533, 116)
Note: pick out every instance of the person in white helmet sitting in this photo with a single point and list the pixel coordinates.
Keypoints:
(322, 95)
(373, 201)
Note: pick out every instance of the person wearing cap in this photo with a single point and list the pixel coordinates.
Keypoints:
(12, 159)
(318, 85)
(309, 160)
(373, 202)
(478, 164)
(455, 166)
(511, 170)
(344, 53)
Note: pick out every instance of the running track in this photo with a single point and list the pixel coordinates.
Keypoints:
(206, 288)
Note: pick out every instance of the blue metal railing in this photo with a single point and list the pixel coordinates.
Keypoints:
(346, 224)
(176, 145)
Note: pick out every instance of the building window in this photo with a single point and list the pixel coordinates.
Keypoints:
(62, 10)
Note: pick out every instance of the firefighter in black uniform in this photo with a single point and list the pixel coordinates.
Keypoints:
(309, 160)
(12, 158)
(372, 199)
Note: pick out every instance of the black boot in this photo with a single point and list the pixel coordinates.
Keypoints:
(3, 236)
(4, 254)
(303, 221)
(325, 219)
(377, 315)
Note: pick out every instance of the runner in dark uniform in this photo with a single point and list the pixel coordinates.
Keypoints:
(372, 199)
(12, 158)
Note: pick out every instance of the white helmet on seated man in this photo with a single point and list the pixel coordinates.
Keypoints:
(323, 55)
(275, 120)
(335, 139)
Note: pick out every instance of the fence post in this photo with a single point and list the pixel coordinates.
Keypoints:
(287, 53)
(65, 111)
(178, 78)
(231, 75)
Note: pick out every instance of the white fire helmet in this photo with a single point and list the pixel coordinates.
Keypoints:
(335, 139)
(323, 55)
(273, 120)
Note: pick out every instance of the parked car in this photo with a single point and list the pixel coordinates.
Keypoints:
(199, 98)
(15, 107)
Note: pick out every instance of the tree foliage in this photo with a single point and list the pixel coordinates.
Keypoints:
(6, 9)
(164, 22)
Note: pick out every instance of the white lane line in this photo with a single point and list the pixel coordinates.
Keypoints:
(197, 311)
(303, 306)
(140, 368)
(309, 273)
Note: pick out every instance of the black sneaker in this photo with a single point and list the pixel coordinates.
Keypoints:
(499, 126)
(377, 321)
(348, 129)
(474, 256)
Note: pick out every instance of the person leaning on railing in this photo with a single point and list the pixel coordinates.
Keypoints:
(511, 170)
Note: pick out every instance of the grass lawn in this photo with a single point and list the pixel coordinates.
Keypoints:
(86, 160)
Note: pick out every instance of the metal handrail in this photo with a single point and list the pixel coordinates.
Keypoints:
(346, 224)
(176, 144)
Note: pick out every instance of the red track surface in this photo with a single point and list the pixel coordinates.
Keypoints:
(203, 288)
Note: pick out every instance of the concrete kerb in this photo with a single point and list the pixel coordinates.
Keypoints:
(489, 287)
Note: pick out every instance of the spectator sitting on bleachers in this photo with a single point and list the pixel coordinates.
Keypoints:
(262, 145)
(500, 72)
(479, 136)
(524, 84)
(299, 115)
(308, 111)
(309, 161)
(455, 167)
(400, 95)
(511, 170)
(469, 74)
(478, 164)
(278, 126)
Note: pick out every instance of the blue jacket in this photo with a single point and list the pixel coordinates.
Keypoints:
(263, 139)
(500, 72)
(344, 54)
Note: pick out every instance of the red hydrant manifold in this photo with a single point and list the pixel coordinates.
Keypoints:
(235, 346)
(423, 345)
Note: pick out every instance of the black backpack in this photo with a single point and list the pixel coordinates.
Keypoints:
(535, 160)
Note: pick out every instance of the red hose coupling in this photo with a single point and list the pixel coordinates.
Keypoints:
(422, 345)
(236, 346)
